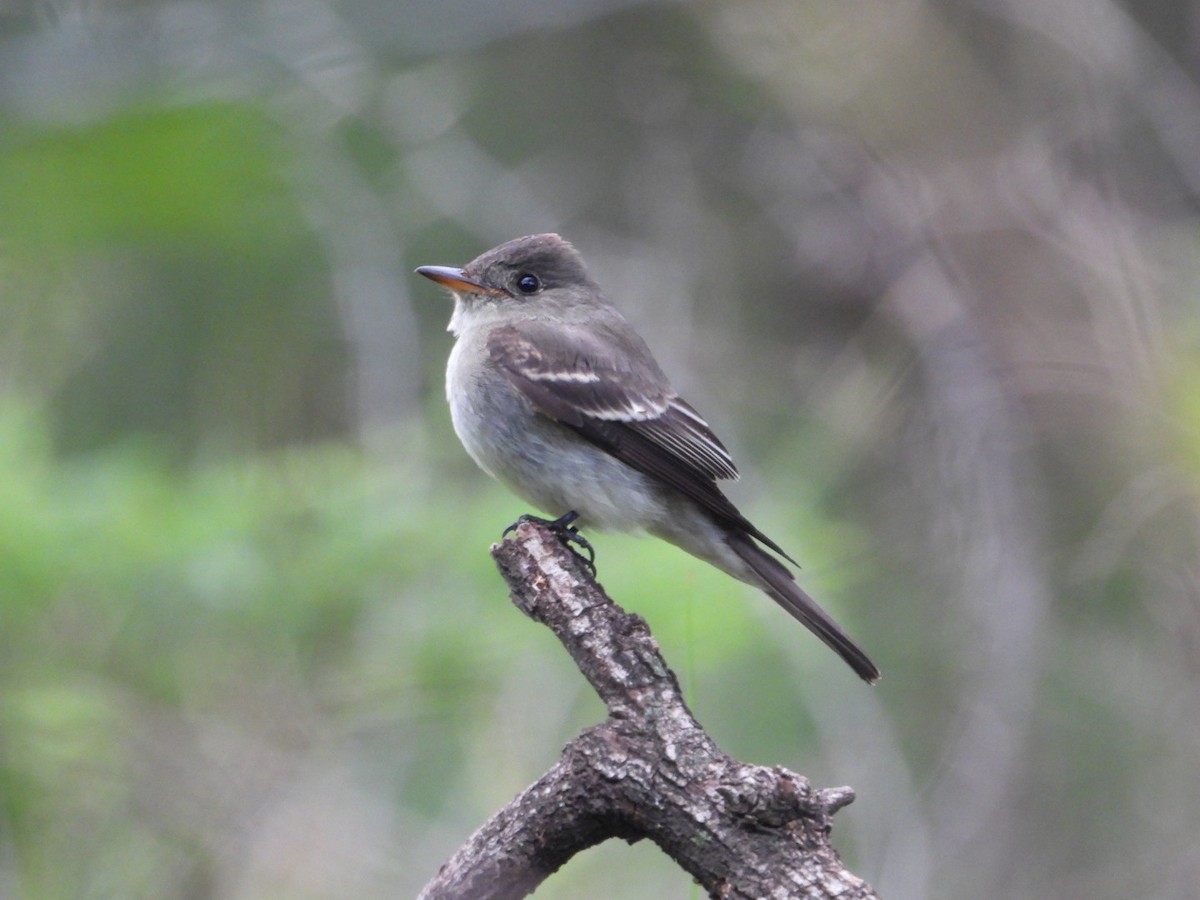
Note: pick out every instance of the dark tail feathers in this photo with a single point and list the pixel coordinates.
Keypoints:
(782, 588)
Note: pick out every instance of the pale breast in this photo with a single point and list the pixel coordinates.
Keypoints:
(540, 460)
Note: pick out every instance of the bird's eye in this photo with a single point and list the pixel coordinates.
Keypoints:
(528, 284)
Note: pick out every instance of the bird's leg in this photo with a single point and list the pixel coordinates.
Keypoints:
(567, 533)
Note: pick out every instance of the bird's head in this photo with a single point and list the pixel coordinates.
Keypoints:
(515, 280)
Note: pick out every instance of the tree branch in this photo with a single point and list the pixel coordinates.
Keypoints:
(648, 771)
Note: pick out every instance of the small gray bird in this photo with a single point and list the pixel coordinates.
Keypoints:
(553, 393)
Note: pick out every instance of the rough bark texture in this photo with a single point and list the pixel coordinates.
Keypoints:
(648, 771)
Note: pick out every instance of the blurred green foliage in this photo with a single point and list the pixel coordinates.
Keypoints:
(166, 178)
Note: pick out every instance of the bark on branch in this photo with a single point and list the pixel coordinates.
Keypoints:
(648, 771)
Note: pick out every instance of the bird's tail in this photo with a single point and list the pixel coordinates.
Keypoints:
(782, 587)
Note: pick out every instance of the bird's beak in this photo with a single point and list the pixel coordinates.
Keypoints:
(458, 280)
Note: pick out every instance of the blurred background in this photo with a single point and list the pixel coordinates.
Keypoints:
(930, 268)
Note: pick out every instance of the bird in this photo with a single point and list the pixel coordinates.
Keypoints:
(554, 394)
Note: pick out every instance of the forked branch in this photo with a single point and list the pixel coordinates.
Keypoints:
(648, 771)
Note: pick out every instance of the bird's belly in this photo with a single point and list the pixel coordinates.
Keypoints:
(564, 474)
(552, 467)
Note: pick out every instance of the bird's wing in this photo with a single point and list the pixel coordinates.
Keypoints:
(626, 408)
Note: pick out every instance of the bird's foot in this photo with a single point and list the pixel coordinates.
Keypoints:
(566, 532)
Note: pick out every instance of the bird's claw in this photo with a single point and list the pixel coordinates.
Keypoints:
(567, 533)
